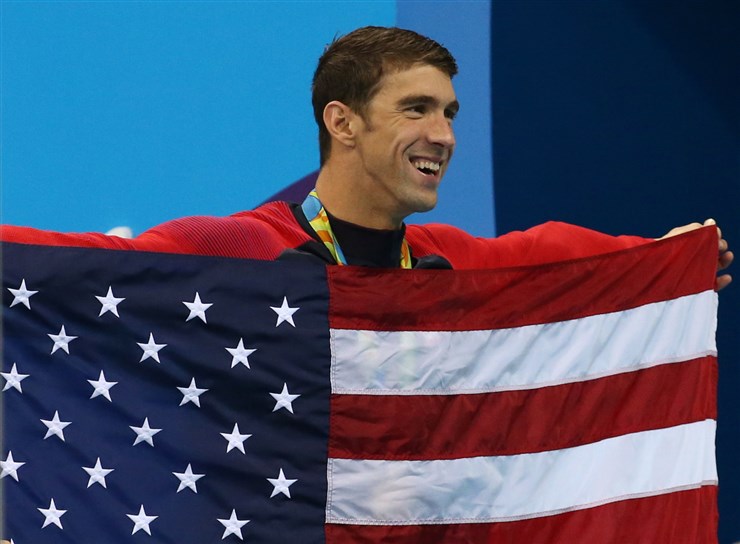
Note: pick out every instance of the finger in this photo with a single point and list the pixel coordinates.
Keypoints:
(722, 282)
(709, 222)
(722, 242)
(680, 230)
(725, 260)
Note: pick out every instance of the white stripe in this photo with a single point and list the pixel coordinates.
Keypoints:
(413, 362)
(488, 489)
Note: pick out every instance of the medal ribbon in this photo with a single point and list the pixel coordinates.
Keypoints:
(319, 221)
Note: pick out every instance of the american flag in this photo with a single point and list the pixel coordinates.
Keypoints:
(171, 398)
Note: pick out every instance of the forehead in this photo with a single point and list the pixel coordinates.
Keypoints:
(417, 80)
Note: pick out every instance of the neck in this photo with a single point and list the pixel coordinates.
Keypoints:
(340, 196)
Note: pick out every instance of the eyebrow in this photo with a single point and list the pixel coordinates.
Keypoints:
(453, 107)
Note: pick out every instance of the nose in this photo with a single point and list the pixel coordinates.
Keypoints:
(441, 132)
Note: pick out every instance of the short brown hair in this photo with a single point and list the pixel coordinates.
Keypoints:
(352, 66)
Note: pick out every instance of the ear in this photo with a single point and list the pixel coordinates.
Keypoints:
(339, 120)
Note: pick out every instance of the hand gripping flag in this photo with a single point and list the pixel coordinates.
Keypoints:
(169, 398)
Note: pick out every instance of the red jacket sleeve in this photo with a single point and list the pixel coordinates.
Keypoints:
(259, 234)
(153, 240)
(544, 243)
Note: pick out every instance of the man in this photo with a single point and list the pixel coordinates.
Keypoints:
(384, 103)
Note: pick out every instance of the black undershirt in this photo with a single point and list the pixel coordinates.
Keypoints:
(363, 246)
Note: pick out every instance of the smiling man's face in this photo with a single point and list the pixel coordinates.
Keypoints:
(405, 141)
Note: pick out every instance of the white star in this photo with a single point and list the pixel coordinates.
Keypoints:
(233, 525)
(191, 393)
(55, 426)
(141, 521)
(285, 312)
(97, 474)
(235, 439)
(13, 379)
(188, 479)
(284, 399)
(61, 340)
(144, 433)
(22, 295)
(10, 467)
(197, 308)
(109, 303)
(151, 349)
(240, 354)
(281, 485)
(52, 515)
(102, 387)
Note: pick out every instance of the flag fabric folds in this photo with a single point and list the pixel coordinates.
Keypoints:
(187, 399)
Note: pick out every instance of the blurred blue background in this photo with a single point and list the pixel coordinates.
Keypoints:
(619, 115)
(132, 113)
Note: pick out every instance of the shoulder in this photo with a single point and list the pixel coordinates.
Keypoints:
(426, 238)
(452, 243)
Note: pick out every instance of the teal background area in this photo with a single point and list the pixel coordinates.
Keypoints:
(133, 113)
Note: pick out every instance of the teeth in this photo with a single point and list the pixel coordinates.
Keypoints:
(427, 165)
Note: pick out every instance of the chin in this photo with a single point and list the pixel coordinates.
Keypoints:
(426, 205)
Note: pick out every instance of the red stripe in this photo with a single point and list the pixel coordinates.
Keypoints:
(454, 426)
(685, 517)
(372, 299)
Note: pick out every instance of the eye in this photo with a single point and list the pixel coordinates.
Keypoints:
(417, 110)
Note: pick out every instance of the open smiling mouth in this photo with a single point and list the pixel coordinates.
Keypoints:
(428, 168)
